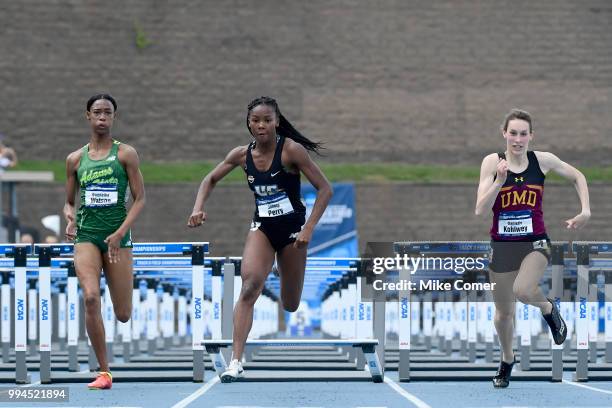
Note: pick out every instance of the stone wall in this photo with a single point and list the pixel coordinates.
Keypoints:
(414, 82)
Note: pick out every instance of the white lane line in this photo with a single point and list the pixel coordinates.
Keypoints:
(183, 403)
(416, 401)
(30, 385)
(587, 387)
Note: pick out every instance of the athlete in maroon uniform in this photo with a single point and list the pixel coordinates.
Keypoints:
(517, 211)
(512, 185)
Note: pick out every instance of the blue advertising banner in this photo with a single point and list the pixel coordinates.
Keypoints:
(336, 233)
(334, 236)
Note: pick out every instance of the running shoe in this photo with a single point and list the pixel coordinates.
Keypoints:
(556, 324)
(233, 372)
(104, 381)
(502, 378)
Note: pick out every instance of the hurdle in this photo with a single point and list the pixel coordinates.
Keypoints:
(19, 253)
(197, 250)
(5, 294)
(368, 346)
(586, 295)
(456, 370)
(558, 265)
(331, 269)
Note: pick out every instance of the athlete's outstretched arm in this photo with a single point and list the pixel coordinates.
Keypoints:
(488, 188)
(300, 158)
(549, 161)
(128, 157)
(72, 162)
(233, 159)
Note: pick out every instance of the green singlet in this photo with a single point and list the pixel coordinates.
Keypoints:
(103, 186)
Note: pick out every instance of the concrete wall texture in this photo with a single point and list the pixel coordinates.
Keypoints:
(414, 82)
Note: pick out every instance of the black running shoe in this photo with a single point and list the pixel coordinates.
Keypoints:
(556, 324)
(502, 378)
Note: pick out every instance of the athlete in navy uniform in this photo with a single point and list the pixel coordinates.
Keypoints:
(272, 163)
(512, 186)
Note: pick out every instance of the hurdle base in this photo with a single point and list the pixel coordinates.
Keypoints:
(45, 367)
(92, 360)
(471, 352)
(593, 352)
(6, 350)
(582, 367)
(361, 361)
(32, 350)
(404, 365)
(489, 352)
(464, 348)
(62, 344)
(73, 359)
(21, 369)
(352, 355)
(567, 348)
(557, 365)
(126, 351)
(151, 346)
(441, 344)
(136, 346)
(247, 355)
(198, 366)
(110, 355)
(525, 357)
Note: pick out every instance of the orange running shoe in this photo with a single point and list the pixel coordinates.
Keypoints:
(104, 381)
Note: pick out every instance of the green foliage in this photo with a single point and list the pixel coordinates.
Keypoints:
(142, 41)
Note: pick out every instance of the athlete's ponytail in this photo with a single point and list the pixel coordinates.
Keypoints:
(285, 128)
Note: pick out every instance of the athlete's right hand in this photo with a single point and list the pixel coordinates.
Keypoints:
(196, 219)
(502, 171)
(71, 230)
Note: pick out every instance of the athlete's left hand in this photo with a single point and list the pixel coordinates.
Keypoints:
(578, 221)
(113, 241)
(303, 238)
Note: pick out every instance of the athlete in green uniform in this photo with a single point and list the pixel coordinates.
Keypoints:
(102, 171)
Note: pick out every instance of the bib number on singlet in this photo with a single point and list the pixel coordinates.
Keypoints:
(97, 195)
(274, 206)
(515, 223)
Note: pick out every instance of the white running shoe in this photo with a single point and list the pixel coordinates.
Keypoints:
(233, 372)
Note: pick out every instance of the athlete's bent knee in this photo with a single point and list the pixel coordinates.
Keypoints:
(250, 291)
(524, 294)
(291, 306)
(92, 303)
(123, 315)
(503, 316)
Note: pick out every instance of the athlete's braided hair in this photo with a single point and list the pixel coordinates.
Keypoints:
(101, 96)
(285, 128)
